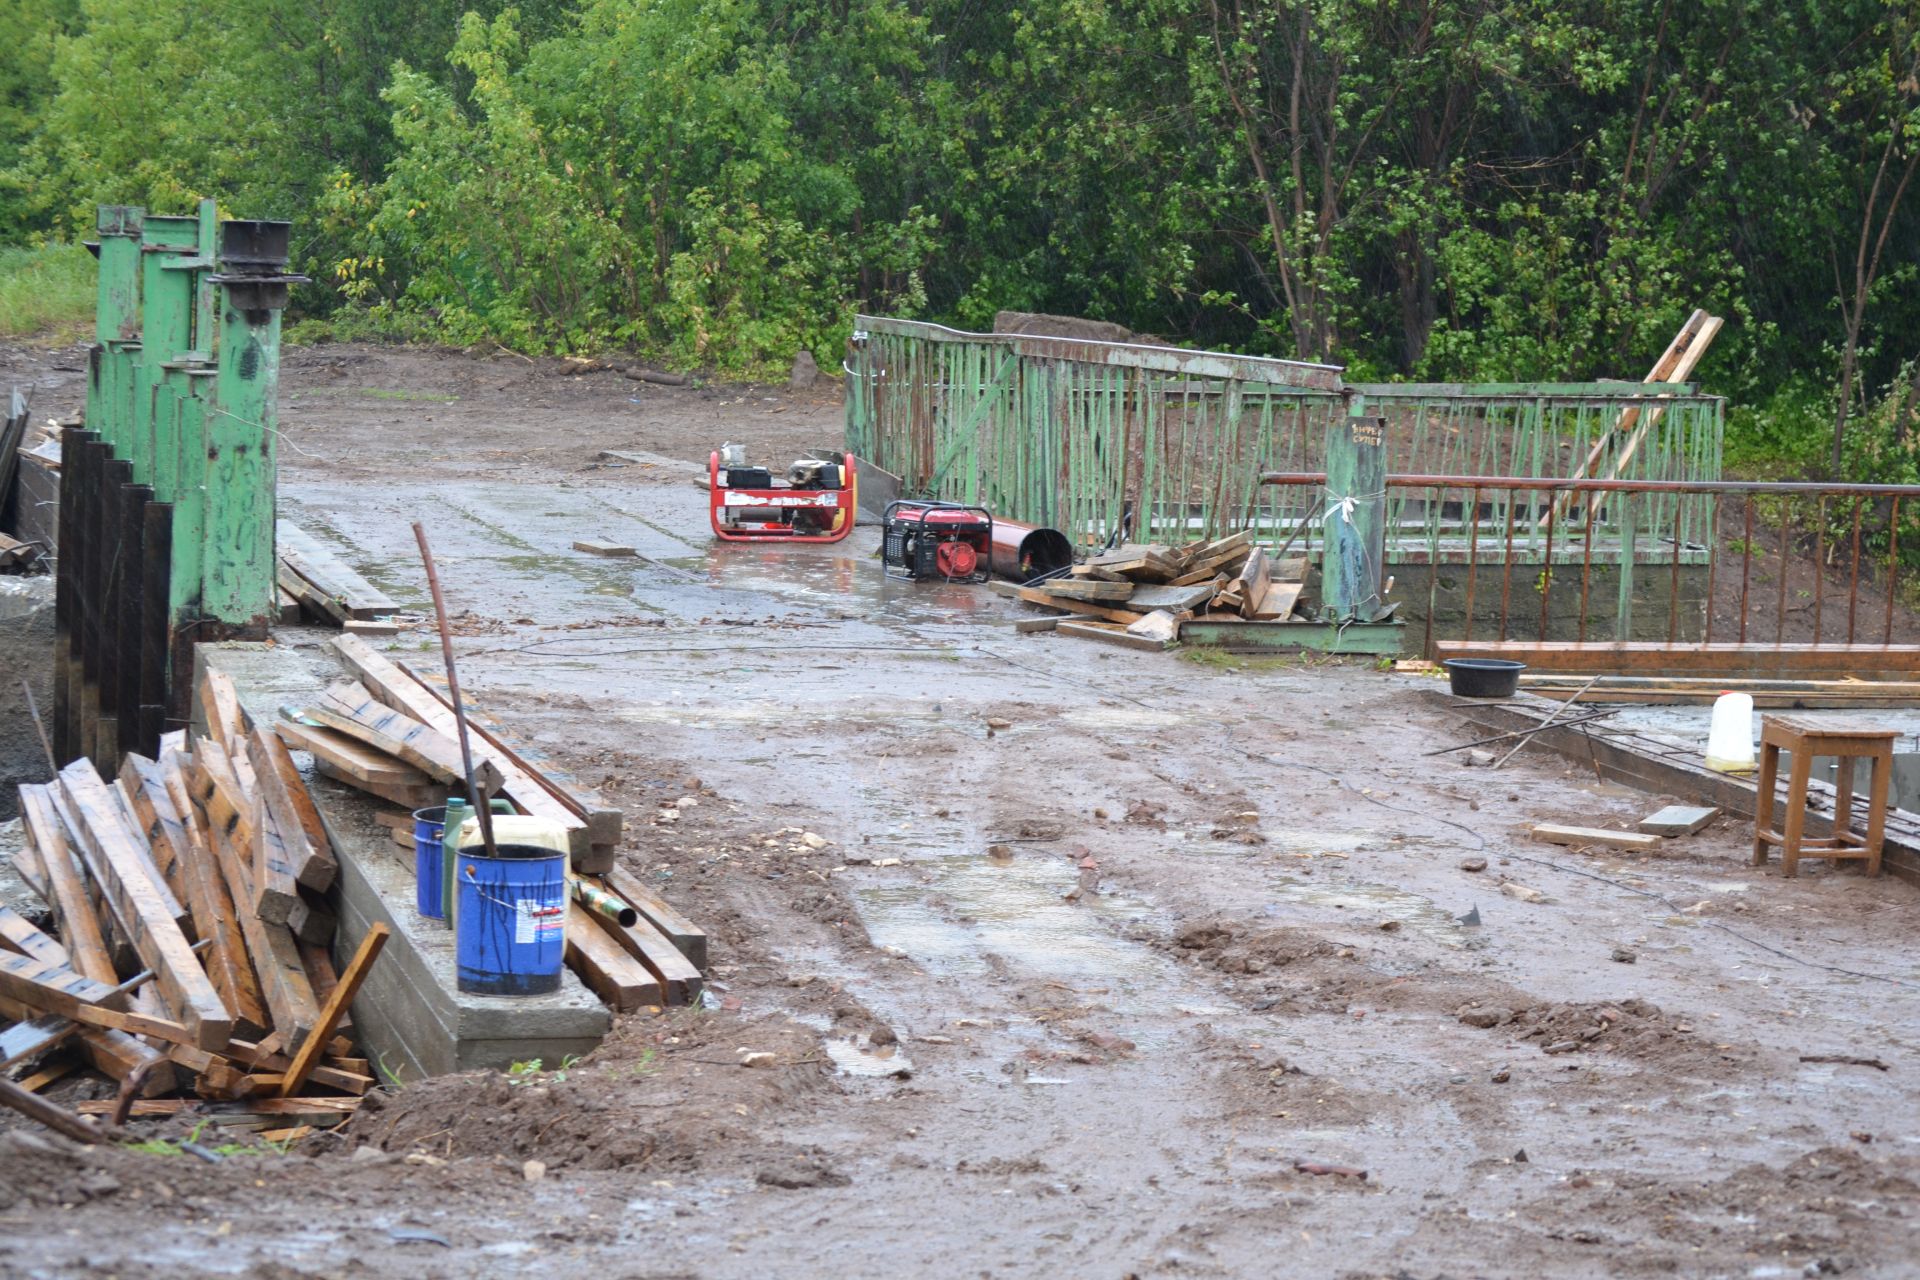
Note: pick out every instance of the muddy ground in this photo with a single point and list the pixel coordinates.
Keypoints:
(1098, 963)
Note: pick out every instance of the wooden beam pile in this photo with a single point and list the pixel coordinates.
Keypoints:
(191, 933)
(392, 734)
(1137, 596)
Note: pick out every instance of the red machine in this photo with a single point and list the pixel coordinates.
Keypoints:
(937, 540)
(814, 503)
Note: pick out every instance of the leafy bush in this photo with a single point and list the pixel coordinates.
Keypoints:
(47, 292)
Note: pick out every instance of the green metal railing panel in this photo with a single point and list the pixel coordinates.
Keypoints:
(1088, 436)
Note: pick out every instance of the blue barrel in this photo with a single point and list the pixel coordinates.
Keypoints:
(510, 926)
(429, 894)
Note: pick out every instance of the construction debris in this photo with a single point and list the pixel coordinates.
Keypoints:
(1553, 833)
(321, 585)
(1137, 596)
(1678, 820)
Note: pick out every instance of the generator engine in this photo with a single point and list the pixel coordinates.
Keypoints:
(813, 502)
(943, 540)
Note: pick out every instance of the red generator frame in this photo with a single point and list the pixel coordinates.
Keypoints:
(769, 515)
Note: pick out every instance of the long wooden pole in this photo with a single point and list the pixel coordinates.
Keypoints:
(480, 805)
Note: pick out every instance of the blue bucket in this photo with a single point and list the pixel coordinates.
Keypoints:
(429, 894)
(511, 920)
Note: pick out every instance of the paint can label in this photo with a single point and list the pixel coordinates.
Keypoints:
(536, 920)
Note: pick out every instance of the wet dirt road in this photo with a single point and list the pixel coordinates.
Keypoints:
(1105, 964)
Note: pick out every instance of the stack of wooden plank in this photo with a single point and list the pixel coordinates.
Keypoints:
(190, 939)
(391, 734)
(1137, 596)
(317, 584)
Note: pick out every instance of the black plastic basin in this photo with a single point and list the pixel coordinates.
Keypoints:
(1483, 677)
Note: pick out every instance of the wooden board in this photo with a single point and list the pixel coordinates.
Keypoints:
(18, 934)
(1111, 633)
(72, 909)
(688, 938)
(609, 972)
(1027, 626)
(308, 598)
(680, 981)
(126, 879)
(284, 987)
(309, 847)
(402, 692)
(227, 721)
(1082, 607)
(217, 791)
(1252, 581)
(1678, 820)
(424, 796)
(210, 900)
(609, 549)
(348, 708)
(1553, 833)
(1091, 590)
(307, 1054)
(1724, 661)
(1174, 599)
(349, 758)
(329, 574)
(1278, 602)
(32, 872)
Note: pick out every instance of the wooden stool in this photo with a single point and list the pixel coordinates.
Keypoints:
(1846, 741)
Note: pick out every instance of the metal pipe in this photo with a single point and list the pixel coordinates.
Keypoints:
(1023, 552)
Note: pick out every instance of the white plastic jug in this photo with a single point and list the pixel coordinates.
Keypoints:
(1730, 739)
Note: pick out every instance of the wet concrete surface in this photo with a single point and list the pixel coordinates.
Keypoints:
(1151, 933)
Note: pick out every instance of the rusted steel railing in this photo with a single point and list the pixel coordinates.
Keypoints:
(1651, 556)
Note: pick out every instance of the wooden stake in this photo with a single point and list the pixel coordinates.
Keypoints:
(309, 1053)
(474, 796)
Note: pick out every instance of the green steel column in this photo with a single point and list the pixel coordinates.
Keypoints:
(166, 295)
(237, 571)
(116, 324)
(1355, 519)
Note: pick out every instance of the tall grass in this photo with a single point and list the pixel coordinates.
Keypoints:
(46, 292)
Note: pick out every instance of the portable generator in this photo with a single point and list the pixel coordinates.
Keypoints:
(813, 502)
(942, 540)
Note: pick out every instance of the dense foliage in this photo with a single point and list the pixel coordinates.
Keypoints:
(1449, 189)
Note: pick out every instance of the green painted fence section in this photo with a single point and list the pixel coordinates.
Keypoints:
(1079, 435)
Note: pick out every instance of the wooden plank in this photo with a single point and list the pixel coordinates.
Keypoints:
(308, 597)
(609, 549)
(350, 758)
(139, 786)
(609, 972)
(284, 987)
(18, 934)
(227, 721)
(53, 988)
(1174, 599)
(307, 1054)
(313, 923)
(680, 981)
(349, 709)
(688, 938)
(328, 573)
(31, 870)
(275, 890)
(317, 959)
(1027, 626)
(289, 608)
(73, 910)
(1252, 581)
(1111, 633)
(226, 957)
(1554, 833)
(380, 627)
(1726, 661)
(605, 822)
(1085, 589)
(1278, 602)
(1678, 819)
(309, 846)
(402, 692)
(219, 794)
(424, 796)
(1083, 607)
(31, 1037)
(157, 935)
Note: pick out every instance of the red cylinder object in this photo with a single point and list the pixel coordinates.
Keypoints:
(1023, 552)
(956, 560)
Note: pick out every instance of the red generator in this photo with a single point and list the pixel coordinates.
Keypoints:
(937, 540)
(815, 502)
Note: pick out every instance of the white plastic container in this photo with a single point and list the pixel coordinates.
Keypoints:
(514, 828)
(1730, 739)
